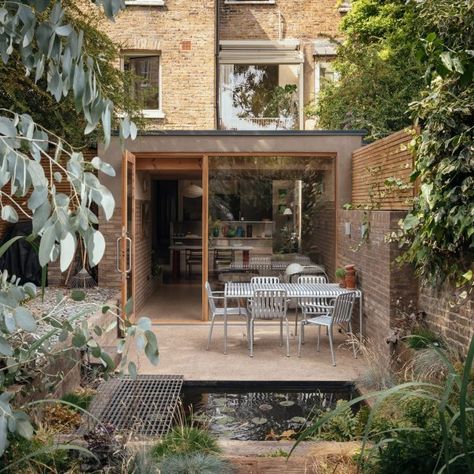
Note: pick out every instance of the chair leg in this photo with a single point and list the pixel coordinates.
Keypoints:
(300, 338)
(251, 337)
(353, 341)
(302, 330)
(210, 332)
(319, 337)
(296, 320)
(281, 332)
(287, 338)
(331, 346)
(248, 333)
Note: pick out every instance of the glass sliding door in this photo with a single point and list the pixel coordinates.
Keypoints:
(268, 212)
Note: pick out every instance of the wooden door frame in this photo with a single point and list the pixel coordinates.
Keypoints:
(126, 233)
(150, 161)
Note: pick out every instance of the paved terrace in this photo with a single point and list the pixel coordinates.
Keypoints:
(183, 351)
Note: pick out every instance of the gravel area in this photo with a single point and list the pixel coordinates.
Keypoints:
(95, 297)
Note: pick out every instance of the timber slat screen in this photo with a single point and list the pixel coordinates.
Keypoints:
(373, 164)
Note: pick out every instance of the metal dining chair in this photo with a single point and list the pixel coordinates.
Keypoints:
(309, 303)
(262, 280)
(212, 298)
(339, 313)
(267, 305)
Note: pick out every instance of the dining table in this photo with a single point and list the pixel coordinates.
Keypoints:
(241, 290)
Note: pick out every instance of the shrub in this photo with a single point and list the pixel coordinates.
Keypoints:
(81, 398)
(342, 427)
(186, 440)
(195, 463)
(422, 338)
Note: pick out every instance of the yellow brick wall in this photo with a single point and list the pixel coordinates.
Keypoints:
(183, 32)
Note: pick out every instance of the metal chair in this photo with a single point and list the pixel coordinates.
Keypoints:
(268, 305)
(310, 304)
(264, 280)
(223, 257)
(212, 297)
(193, 257)
(340, 313)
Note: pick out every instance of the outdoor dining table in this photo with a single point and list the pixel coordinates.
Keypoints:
(237, 290)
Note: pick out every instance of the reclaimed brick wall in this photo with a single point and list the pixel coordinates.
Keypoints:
(182, 32)
(388, 289)
(143, 260)
(448, 315)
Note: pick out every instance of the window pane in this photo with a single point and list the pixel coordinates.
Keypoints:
(259, 97)
(268, 212)
(146, 81)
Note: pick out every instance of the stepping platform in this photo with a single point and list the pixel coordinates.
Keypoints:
(144, 406)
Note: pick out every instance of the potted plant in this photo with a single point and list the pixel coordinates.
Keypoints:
(350, 276)
(341, 277)
(216, 229)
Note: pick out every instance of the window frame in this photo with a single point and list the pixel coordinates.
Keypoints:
(148, 113)
(318, 62)
(253, 52)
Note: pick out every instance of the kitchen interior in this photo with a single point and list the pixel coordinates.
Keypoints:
(257, 213)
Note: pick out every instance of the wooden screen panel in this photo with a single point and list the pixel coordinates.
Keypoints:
(373, 164)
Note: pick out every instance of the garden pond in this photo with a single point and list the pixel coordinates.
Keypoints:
(261, 411)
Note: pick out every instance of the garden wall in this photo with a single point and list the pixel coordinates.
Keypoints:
(391, 291)
(388, 289)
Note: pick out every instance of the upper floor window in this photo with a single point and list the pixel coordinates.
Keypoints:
(324, 75)
(146, 80)
(260, 86)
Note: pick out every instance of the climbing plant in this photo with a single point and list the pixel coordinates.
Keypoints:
(439, 232)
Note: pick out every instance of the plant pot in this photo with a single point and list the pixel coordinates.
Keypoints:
(342, 282)
(351, 278)
(215, 231)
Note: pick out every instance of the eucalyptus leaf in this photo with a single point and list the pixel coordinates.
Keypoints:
(25, 319)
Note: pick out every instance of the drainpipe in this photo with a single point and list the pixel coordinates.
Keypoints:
(216, 61)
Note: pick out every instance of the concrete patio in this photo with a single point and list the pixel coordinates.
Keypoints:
(183, 352)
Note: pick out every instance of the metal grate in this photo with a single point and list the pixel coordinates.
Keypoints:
(144, 406)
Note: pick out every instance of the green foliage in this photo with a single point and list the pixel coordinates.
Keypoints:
(414, 442)
(186, 440)
(422, 338)
(195, 463)
(79, 399)
(439, 232)
(342, 427)
(49, 459)
(379, 71)
(434, 424)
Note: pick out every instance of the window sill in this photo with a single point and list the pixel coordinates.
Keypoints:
(250, 2)
(145, 3)
(150, 113)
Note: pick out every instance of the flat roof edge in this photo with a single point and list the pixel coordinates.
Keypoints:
(246, 133)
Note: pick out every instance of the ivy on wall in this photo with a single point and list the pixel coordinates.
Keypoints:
(439, 232)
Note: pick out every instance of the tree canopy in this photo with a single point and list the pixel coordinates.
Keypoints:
(379, 69)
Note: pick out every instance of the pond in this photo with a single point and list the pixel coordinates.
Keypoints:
(261, 411)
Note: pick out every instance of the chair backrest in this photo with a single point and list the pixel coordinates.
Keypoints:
(260, 261)
(312, 279)
(264, 280)
(269, 304)
(210, 299)
(342, 312)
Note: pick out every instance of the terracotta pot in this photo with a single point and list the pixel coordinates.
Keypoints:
(351, 278)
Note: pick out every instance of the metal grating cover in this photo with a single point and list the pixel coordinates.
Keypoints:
(144, 406)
